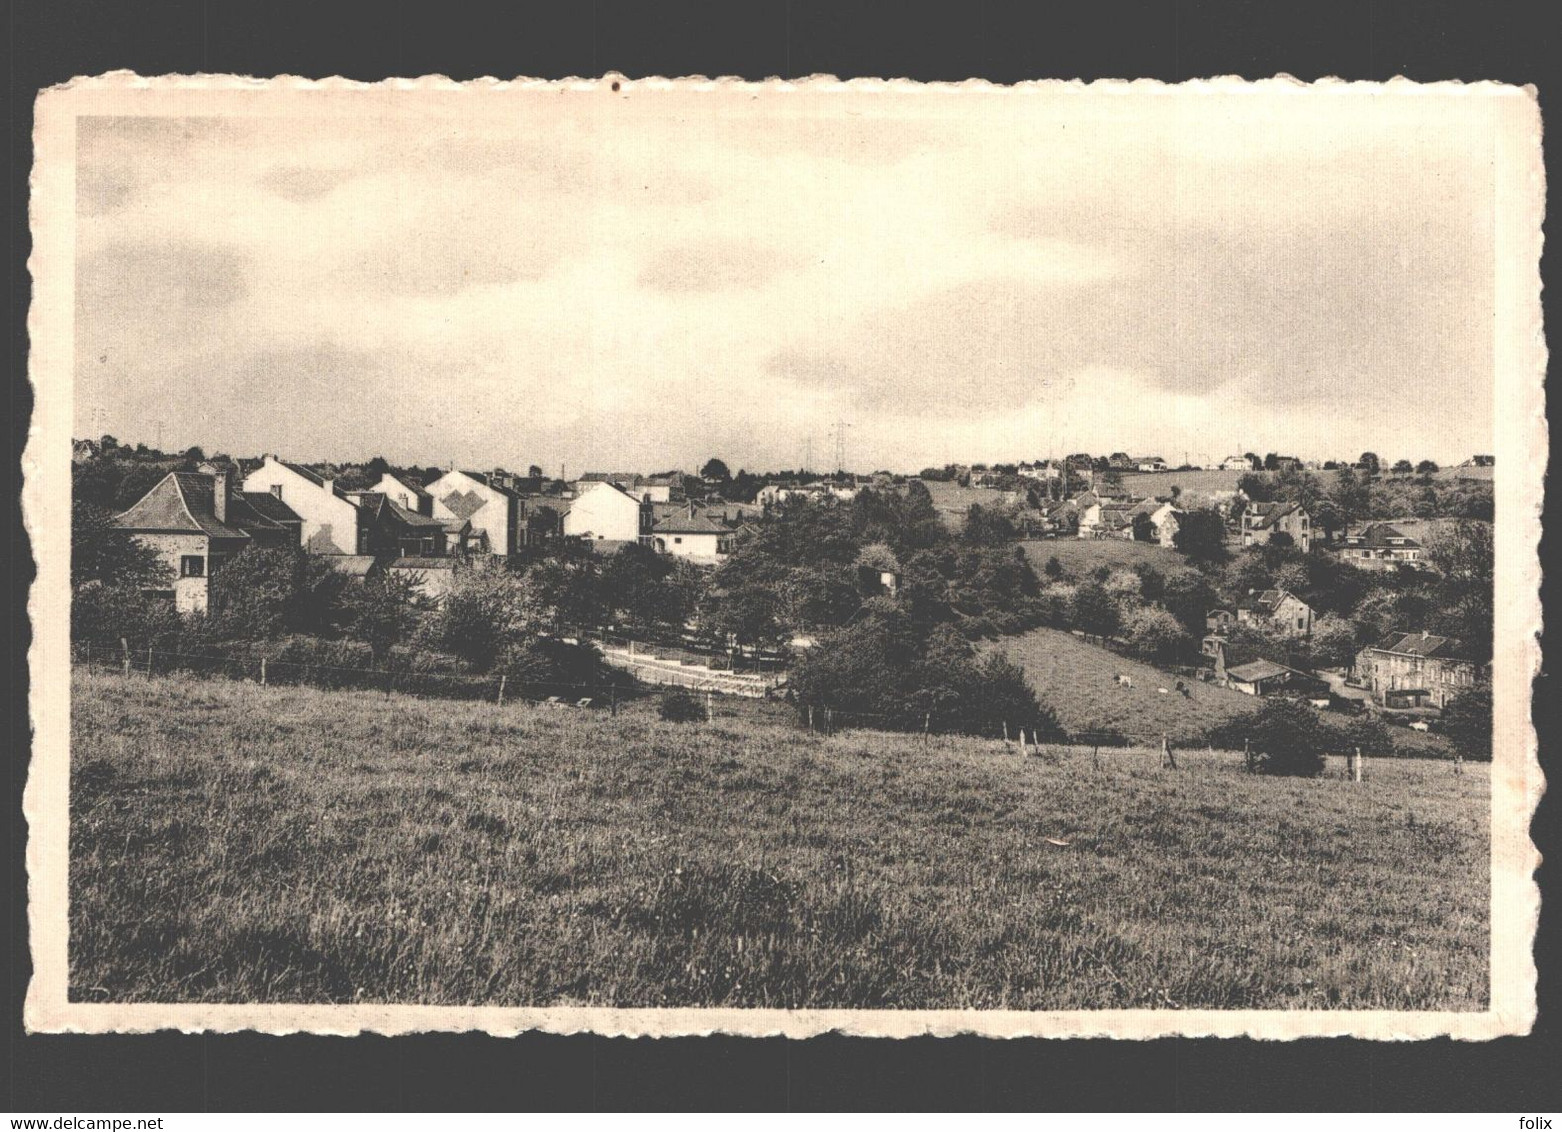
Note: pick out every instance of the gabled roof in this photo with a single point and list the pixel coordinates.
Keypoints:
(613, 486)
(268, 506)
(1258, 670)
(1269, 513)
(381, 506)
(1422, 644)
(488, 480)
(417, 491)
(313, 477)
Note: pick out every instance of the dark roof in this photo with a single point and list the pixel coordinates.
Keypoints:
(1378, 534)
(487, 479)
(409, 485)
(1423, 644)
(1270, 513)
(180, 501)
(686, 524)
(1257, 670)
(1267, 601)
(268, 506)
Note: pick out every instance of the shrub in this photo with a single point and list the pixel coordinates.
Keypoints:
(271, 591)
(1467, 721)
(103, 614)
(1288, 738)
(681, 707)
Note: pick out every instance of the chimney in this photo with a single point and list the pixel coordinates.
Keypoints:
(328, 484)
(220, 489)
(1425, 633)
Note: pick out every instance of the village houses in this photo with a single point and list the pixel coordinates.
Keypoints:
(197, 521)
(1261, 521)
(487, 500)
(1380, 546)
(687, 533)
(1418, 669)
(605, 512)
(332, 523)
(1276, 611)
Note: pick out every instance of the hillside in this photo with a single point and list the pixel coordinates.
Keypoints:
(1076, 680)
(231, 842)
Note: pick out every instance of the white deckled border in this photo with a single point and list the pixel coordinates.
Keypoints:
(1521, 444)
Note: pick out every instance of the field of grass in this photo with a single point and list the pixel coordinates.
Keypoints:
(953, 501)
(237, 843)
(1076, 679)
(1080, 556)
(1200, 482)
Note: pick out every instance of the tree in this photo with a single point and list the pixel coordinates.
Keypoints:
(1254, 461)
(1155, 635)
(194, 454)
(1288, 738)
(1467, 721)
(268, 591)
(1281, 540)
(1257, 486)
(382, 612)
(1143, 528)
(988, 526)
(1333, 642)
(714, 469)
(1053, 569)
(1201, 536)
(1369, 463)
(102, 552)
(534, 472)
(376, 467)
(1094, 611)
(1426, 468)
(1271, 462)
(1402, 468)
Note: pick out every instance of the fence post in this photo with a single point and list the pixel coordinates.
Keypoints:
(1356, 771)
(810, 717)
(262, 672)
(1247, 756)
(614, 701)
(1095, 754)
(1167, 758)
(708, 715)
(1006, 731)
(1458, 763)
(502, 678)
(927, 729)
(125, 647)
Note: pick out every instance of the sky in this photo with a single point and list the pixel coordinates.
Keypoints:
(644, 279)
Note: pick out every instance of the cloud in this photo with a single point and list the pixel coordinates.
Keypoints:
(715, 265)
(301, 183)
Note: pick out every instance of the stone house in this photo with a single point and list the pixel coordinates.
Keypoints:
(196, 522)
(1415, 670)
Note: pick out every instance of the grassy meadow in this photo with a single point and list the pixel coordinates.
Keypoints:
(1075, 678)
(231, 842)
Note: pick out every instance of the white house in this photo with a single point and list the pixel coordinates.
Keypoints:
(688, 534)
(1163, 520)
(405, 494)
(604, 510)
(1236, 464)
(479, 497)
(331, 521)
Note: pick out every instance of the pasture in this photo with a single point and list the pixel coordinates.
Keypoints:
(231, 842)
(1077, 679)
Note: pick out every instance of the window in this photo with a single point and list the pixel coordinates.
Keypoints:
(1301, 622)
(678, 538)
(192, 566)
(276, 489)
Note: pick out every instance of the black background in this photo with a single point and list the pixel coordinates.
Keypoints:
(51, 41)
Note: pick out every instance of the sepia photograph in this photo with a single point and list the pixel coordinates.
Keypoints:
(653, 556)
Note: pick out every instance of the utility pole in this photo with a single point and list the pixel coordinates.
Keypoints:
(840, 445)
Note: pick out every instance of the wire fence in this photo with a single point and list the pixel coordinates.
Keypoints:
(497, 687)
(504, 687)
